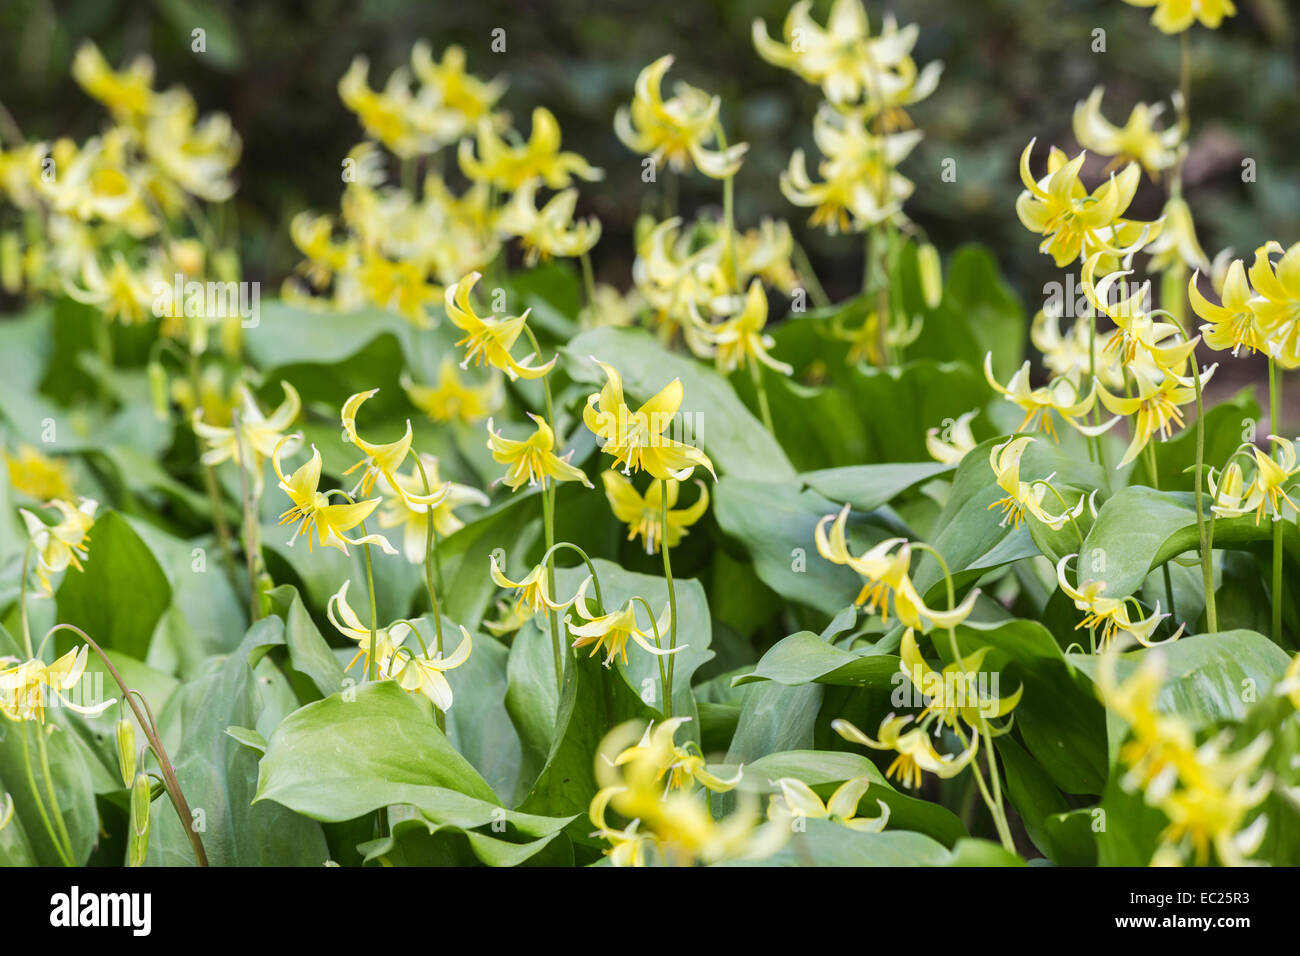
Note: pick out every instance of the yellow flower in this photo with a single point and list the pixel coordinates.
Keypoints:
(127, 94)
(765, 252)
(957, 692)
(845, 59)
(550, 231)
(1227, 491)
(199, 157)
(952, 449)
(401, 287)
(1061, 395)
(348, 623)
(63, 543)
(490, 339)
(261, 433)
(740, 339)
(1267, 491)
(393, 116)
(679, 131)
(679, 279)
(452, 400)
(532, 459)
(798, 801)
(1175, 16)
(643, 515)
(636, 439)
(1156, 407)
(510, 167)
(1024, 497)
(1148, 348)
(916, 755)
(22, 688)
(612, 631)
(886, 575)
(1233, 324)
(37, 475)
(1277, 301)
(1137, 140)
(120, 293)
(422, 673)
(532, 591)
(1110, 614)
(1177, 242)
(629, 846)
(313, 512)
(1074, 222)
(402, 507)
(1290, 683)
(382, 460)
(462, 99)
(861, 186)
(683, 766)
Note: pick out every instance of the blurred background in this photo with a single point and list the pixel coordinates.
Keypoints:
(1014, 69)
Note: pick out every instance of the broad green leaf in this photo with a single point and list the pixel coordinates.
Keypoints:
(804, 658)
(867, 487)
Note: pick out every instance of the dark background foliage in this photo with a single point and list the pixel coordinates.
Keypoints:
(1014, 70)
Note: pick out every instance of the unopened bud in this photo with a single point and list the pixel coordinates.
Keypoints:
(126, 751)
(931, 273)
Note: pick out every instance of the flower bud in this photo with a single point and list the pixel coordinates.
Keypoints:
(126, 751)
(931, 274)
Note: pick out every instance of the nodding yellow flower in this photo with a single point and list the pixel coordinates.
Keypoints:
(452, 399)
(394, 116)
(532, 591)
(845, 60)
(402, 507)
(533, 459)
(196, 155)
(313, 512)
(797, 800)
(611, 307)
(1061, 395)
(550, 231)
(382, 460)
(22, 688)
(37, 475)
(861, 186)
(401, 287)
(643, 515)
(865, 339)
(20, 174)
(1137, 140)
(1077, 353)
(509, 167)
(128, 93)
(684, 767)
(680, 131)
(1110, 614)
(950, 445)
(1267, 491)
(679, 277)
(886, 575)
(672, 826)
(261, 433)
(1233, 324)
(1156, 407)
(63, 543)
(916, 755)
(120, 293)
(461, 98)
(636, 439)
(348, 623)
(955, 693)
(1227, 490)
(738, 340)
(1024, 497)
(1074, 222)
(765, 252)
(1147, 348)
(1277, 300)
(489, 339)
(612, 631)
(1177, 242)
(422, 673)
(1175, 16)
(313, 235)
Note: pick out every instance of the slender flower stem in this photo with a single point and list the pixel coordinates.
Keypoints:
(591, 568)
(439, 717)
(809, 277)
(145, 720)
(44, 754)
(252, 534)
(664, 679)
(64, 854)
(760, 388)
(672, 592)
(589, 284)
(372, 667)
(1275, 426)
(210, 483)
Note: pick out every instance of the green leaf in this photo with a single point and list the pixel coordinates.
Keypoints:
(867, 487)
(339, 758)
(122, 592)
(804, 658)
(825, 843)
